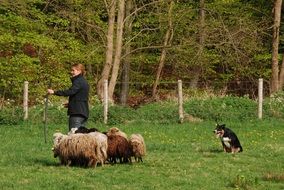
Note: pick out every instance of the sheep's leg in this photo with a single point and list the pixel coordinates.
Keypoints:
(102, 162)
(121, 160)
(69, 162)
(93, 163)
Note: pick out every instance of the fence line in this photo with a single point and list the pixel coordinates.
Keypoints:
(180, 101)
(238, 88)
(26, 99)
(260, 98)
(105, 101)
(178, 84)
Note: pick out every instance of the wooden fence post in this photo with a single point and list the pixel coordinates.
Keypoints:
(260, 97)
(26, 99)
(105, 101)
(180, 101)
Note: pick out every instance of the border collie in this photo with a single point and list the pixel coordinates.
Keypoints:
(229, 139)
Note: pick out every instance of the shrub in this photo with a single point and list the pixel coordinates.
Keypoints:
(116, 114)
(165, 112)
(274, 105)
(220, 109)
(227, 108)
(11, 116)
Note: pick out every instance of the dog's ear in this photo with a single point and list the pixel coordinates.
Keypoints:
(219, 125)
(222, 126)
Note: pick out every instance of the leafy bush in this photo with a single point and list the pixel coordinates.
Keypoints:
(227, 108)
(11, 116)
(166, 112)
(156, 113)
(220, 109)
(274, 105)
(116, 114)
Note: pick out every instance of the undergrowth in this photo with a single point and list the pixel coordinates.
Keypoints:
(219, 109)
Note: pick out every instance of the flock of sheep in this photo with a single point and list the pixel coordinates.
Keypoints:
(89, 147)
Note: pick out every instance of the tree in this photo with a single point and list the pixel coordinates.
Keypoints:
(201, 40)
(167, 42)
(118, 47)
(126, 61)
(275, 46)
(109, 47)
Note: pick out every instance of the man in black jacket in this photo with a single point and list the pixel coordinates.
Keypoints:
(78, 93)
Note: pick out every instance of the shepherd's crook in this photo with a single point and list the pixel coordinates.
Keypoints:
(45, 112)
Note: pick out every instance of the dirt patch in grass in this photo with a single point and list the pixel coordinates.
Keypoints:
(273, 177)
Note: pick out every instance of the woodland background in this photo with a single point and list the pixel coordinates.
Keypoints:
(141, 46)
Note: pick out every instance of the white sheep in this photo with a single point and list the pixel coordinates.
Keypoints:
(102, 146)
(57, 138)
(138, 146)
(77, 149)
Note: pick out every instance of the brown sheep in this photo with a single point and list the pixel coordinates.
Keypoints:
(118, 148)
(116, 131)
(138, 146)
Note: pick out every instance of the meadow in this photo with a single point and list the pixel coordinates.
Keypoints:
(179, 156)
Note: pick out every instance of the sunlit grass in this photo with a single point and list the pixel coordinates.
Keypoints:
(180, 156)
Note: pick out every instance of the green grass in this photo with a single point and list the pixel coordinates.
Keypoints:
(179, 156)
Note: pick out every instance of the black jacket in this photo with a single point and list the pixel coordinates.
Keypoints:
(78, 96)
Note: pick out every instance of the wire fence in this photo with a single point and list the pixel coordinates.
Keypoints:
(167, 89)
(141, 92)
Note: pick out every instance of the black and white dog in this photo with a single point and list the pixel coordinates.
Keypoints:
(228, 138)
(82, 130)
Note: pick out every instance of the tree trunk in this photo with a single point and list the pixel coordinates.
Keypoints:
(118, 48)
(198, 65)
(88, 39)
(275, 44)
(126, 63)
(167, 41)
(281, 76)
(109, 49)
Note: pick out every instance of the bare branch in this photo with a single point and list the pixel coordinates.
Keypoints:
(143, 48)
(144, 29)
(139, 9)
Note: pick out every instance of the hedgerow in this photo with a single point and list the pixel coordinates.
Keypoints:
(219, 109)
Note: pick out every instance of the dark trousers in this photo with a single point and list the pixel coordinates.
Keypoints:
(76, 121)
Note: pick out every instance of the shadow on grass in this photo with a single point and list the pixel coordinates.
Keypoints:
(210, 153)
(56, 163)
(211, 150)
(46, 162)
(216, 151)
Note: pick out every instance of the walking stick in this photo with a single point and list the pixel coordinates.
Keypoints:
(45, 111)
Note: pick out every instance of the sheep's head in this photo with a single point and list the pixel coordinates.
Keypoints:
(57, 137)
(135, 146)
(114, 130)
(55, 152)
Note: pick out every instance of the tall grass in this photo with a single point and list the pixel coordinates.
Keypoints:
(179, 156)
(226, 108)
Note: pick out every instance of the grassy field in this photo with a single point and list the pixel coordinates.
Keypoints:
(180, 156)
